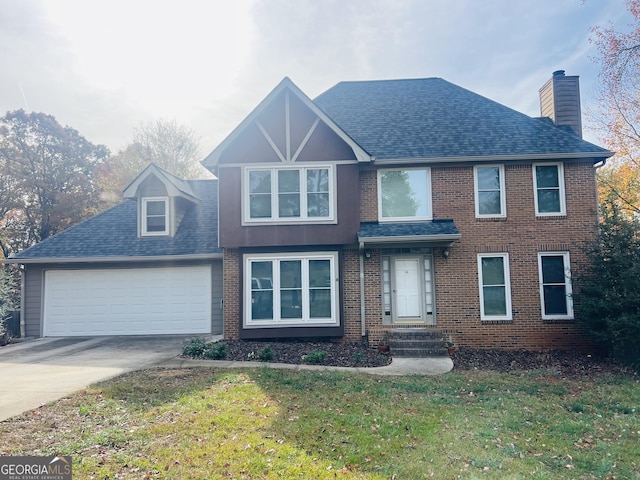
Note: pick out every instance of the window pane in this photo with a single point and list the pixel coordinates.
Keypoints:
(319, 273)
(289, 205)
(291, 274)
(156, 207)
(288, 181)
(548, 201)
(320, 303)
(261, 290)
(547, 176)
(260, 206)
(291, 303)
(488, 178)
(553, 269)
(493, 271)
(495, 302)
(318, 180)
(555, 300)
(404, 193)
(318, 205)
(156, 224)
(260, 182)
(489, 203)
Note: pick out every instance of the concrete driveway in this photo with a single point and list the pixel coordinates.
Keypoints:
(39, 371)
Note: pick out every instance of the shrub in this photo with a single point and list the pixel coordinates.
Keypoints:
(266, 354)
(608, 293)
(194, 348)
(316, 356)
(216, 351)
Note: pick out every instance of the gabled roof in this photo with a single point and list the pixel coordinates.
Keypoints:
(176, 186)
(113, 235)
(286, 84)
(433, 120)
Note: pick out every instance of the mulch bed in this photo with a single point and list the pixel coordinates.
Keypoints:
(567, 364)
(338, 354)
(552, 363)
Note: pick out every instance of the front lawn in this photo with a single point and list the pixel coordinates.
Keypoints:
(266, 423)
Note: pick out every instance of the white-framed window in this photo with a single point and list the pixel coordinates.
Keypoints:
(555, 285)
(155, 216)
(404, 194)
(489, 186)
(291, 289)
(495, 286)
(289, 194)
(548, 188)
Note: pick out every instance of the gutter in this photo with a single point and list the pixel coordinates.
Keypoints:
(120, 258)
(445, 237)
(498, 158)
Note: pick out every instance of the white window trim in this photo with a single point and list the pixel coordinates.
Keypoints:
(275, 219)
(507, 280)
(428, 216)
(503, 201)
(563, 204)
(277, 322)
(143, 217)
(569, 291)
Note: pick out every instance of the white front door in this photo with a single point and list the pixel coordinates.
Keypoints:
(408, 289)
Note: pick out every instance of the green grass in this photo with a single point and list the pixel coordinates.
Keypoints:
(266, 423)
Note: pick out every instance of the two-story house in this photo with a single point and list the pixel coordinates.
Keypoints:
(377, 205)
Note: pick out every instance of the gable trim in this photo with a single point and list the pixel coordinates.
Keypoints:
(176, 187)
(211, 160)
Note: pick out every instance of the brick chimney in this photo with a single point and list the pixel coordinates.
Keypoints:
(560, 101)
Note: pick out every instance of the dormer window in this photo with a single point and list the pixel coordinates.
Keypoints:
(155, 216)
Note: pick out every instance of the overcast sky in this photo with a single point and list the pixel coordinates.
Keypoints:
(103, 67)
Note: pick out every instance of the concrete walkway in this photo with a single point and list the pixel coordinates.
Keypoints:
(399, 366)
(39, 371)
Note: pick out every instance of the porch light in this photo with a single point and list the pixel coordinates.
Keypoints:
(446, 252)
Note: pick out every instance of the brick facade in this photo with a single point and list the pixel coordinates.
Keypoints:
(521, 234)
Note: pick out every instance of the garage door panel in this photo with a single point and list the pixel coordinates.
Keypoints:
(173, 300)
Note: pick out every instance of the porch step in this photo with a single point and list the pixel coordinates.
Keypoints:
(416, 343)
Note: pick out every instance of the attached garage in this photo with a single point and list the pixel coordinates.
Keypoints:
(128, 301)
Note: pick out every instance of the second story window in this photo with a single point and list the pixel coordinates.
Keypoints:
(404, 195)
(155, 216)
(548, 187)
(289, 194)
(490, 191)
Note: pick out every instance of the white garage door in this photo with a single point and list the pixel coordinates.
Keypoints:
(140, 301)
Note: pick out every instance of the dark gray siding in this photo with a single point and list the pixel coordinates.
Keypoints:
(33, 299)
(34, 289)
(216, 298)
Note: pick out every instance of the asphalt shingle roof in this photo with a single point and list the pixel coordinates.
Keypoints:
(432, 118)
(420, 229)
(114, 233)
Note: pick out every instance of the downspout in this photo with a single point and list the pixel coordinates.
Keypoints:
(363, 328)
(597, 167)
(23, 323)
